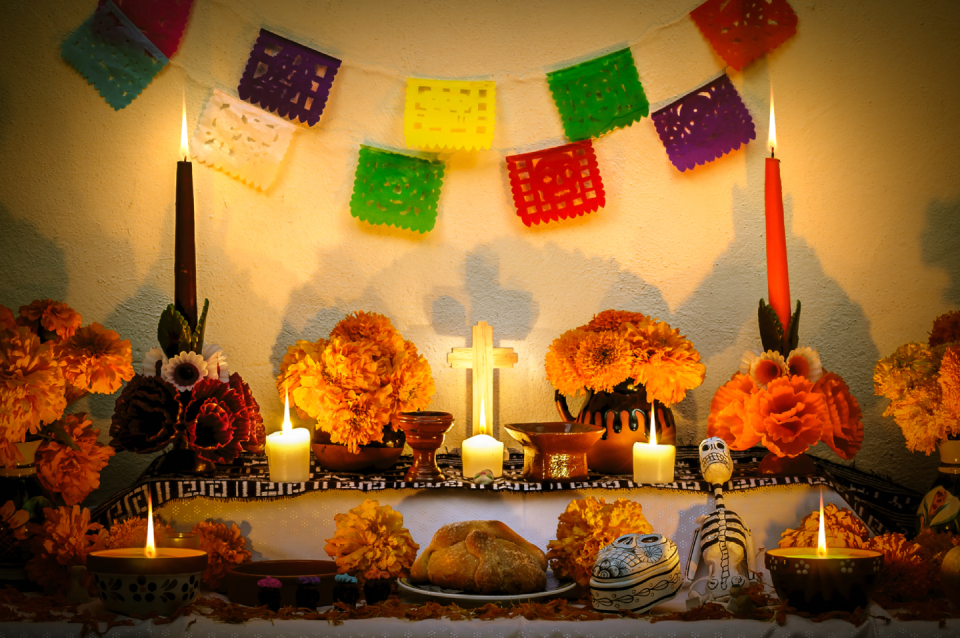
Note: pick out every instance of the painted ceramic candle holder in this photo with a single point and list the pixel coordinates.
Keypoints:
(555, 451)
(130, 583)
(425, 432)
(842, 580)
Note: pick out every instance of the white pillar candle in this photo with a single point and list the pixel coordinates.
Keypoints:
(653, 463)
(482, 452)
(288, 451)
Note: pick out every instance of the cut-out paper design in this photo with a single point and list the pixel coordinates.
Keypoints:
(740, 31)
(449, 114)
(241, 140)
(397, 190)
(556, 183)
(161, 21)
(599, 95)
(704, 124)
(113, 56)
(288, 78)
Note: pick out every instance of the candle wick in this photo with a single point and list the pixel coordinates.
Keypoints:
(771, 152)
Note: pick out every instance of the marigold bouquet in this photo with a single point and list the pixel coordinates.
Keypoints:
(66, 538)
(186, 395)
(225, 547)
(371, 543)
(586, 527)
(922, 381)
(48, 361)
(356, 381)
(617, 346)
(786, 403)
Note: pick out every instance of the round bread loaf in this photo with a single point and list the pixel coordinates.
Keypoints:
(483, 557)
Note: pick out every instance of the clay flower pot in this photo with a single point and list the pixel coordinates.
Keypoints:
(370, 458)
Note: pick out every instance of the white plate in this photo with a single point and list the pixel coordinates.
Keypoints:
(553, 590)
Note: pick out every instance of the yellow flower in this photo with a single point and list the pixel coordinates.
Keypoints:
(561, 363)
(371, 542)
(31, 385)
(294, 364)
(587, 526)
(895, 376)
(665, 362)
(603, 358)
(95, 360)
(949, 381)
(842, 529)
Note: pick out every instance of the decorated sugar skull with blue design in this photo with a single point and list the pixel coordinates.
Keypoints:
(635, 572)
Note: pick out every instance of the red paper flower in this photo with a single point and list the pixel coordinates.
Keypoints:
(843, 431)
(147, 416)
(257, 438)
(728, 413)
(215, 420)
(788, 415)
(556, 183)
(743, 30)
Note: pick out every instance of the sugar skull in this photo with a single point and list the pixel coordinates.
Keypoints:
(635, 572)
(716, 464)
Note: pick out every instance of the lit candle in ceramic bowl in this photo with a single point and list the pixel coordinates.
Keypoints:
(482, 452)
(153, 579)
(821, 579)
(288, 451)
(653, 463)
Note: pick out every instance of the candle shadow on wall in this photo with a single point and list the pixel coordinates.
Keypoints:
(940, 244)
(34, 266)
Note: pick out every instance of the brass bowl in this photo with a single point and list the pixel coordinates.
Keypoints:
(241, 580)
(555, 451)
(842, 581)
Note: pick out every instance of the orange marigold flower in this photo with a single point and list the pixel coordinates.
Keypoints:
(50, 319)
(356, 419)
(412, 380)
(96, 360)
(949, 380)
(369, 326)
(294, 365)
(904, 575)
(7, 322)
(788, 415)
(842, 529)
(561, 363)
(843, 430)
(664, 361)
(132, 532)
(224, 546)
(728, 413)
(14, 521)
(946, 329)
(923, 418)
(65, 539)
(587, 526)
(603, 359)
(612, 320)
(31, 384)
(371, 542)
(896, 376)
(73, 473)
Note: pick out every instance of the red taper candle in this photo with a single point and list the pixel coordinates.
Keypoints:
(185, 245)
(778, 276)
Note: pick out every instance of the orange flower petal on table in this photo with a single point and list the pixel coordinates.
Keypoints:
(371, 542)
(603, 360)
(843, 430)
(31, 385)
(788, 415)
(95, 359)
(73, 474)
(48, 318)
(728, 413)
(561, 365)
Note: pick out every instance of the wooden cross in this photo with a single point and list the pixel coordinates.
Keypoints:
(482, 358)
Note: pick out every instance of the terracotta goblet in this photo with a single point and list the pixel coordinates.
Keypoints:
(425, 432)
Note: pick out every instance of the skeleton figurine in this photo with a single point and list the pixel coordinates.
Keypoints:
(722, 539)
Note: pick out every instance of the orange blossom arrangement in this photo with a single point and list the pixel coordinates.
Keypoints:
(371, 543)
(356, 381)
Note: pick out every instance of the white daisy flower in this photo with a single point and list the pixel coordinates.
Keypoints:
(151, 360)
(767, 367)
(216, 360)
(746, 361)
(805, 362)
(184, 370)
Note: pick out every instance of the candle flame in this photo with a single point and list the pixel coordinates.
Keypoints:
(183, 130)
(821, 535)
(772, 136)
(150, 551)
(483, 419)
(287, 426)
(653, 425)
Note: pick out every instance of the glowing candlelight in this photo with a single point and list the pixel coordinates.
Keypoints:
(288, 451)
(653, 463)
(183, 130)
(482, 452)
(150, 551)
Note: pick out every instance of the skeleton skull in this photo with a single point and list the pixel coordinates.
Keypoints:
(716, 464)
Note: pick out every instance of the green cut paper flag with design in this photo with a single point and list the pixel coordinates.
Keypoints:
(396, 190)
(599, 95)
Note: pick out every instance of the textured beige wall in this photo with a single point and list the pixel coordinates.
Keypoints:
(867, 99)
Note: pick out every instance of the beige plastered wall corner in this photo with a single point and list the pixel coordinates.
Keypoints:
(868, 115)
